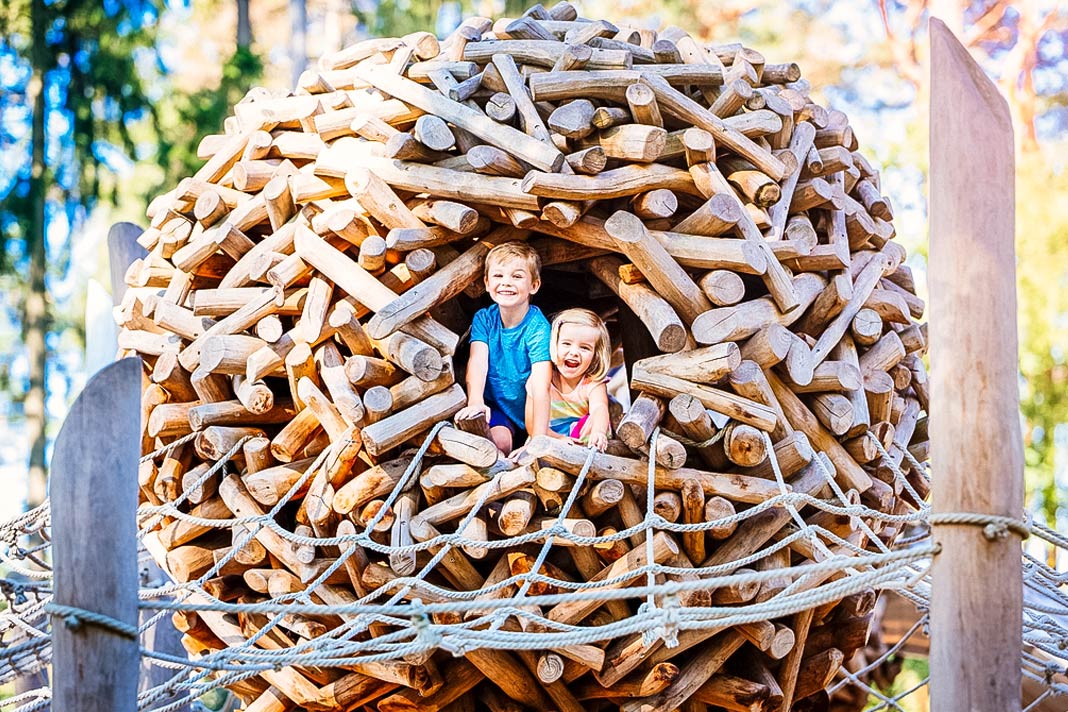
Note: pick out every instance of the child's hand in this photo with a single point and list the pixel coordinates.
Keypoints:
(472, 411)
(598, 440)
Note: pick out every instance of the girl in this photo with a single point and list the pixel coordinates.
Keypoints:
(581, 353)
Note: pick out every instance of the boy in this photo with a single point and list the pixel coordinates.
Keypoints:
(509, 359)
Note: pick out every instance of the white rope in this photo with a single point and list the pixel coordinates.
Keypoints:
(74, 618)
(166, 449)
(482, 615)
(42, 694)
(899, 475)
(994, 526)
(648, 609)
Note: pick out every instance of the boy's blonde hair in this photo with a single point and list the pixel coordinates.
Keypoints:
(602, 354)
(507, 251)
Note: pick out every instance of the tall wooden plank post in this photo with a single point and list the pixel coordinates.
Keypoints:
(162, 637)
(976, 601)
(94, 539)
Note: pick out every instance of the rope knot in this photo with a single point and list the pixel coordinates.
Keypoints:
(72, 621)
(650, 635)
(667, 618)
(669, 615)
(75, 618)
(996, 531)
(426, 637)
(653, 520)
(995, 527)
(458, 648)
(18, 593)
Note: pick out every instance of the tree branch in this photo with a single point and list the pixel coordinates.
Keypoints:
(986, 24)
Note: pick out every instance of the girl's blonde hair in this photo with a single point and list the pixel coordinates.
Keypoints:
(602, 354)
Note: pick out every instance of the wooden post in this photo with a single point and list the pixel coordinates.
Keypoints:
(975, 433)
(95, 542)
(123, 249)
(101, 332)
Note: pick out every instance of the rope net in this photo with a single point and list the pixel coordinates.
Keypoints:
(26, 587)
(301, 624)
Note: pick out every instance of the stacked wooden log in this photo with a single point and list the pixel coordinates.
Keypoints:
(305, 289)
(876, 663)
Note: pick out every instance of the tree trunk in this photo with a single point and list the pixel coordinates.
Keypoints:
(34, 304)
(244, 25)
(337, 17)
(35, 307)
(298, 35)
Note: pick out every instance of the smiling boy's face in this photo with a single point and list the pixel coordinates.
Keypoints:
(510, 283)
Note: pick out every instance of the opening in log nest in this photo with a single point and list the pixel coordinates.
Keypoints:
(302, 310)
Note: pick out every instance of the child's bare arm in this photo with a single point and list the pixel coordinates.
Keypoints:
(477, 370)
(599, 421)
(538, 397)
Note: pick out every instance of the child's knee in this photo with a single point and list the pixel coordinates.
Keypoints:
(502, 438)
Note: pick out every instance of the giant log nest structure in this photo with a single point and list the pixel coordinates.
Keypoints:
(301, 310)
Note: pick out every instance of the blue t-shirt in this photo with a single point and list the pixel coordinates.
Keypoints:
(511, 354)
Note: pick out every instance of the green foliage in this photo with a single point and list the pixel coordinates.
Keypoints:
(92, 75)
(395, 18)
(188, 118)
(15, 19)
(1042, 297)
(74, 70)
(914, 670)
(94, 54)
(109, 79)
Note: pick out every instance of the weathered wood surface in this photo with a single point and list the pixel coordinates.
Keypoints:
(975, 438)
(95, 544)
(123, 249)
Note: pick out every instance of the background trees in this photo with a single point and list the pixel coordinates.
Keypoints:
(75, 84)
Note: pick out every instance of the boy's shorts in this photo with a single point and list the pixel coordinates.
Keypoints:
(497, 417)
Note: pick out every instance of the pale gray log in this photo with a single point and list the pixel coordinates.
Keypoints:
(123, 249)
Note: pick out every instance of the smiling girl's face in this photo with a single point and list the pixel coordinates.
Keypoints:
(576, 345)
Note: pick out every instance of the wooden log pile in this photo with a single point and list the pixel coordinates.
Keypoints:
(877, 663)
(305, 291)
